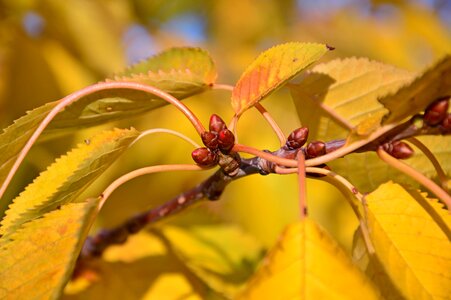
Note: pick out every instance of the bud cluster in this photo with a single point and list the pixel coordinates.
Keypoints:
(436, 114)
(218, 143)
(298, 138)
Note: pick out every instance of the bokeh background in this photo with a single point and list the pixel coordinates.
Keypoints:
(50, 48)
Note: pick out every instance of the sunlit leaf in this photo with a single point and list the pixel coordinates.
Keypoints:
(349, 89)
(179, 71)
(66, 178)
(272, 69)
(143, 268)
(415, 97)
(410, 234)
(37, 260)
(308, 264)
(222, 256)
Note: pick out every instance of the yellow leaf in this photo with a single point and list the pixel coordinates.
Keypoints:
(37, 260)
(308, 264)
(67, 177)
(412, 243)
(271, 69)
(415, 97)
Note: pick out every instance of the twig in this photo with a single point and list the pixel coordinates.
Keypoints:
(419, 177)
(66, 101)
(140, 172)
(438, 168)
(165, 130)
(302, 186)
(272, 158)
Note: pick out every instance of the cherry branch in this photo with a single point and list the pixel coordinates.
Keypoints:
(68, 100)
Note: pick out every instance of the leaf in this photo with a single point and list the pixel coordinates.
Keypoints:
(143, 268)
(307, 264)
(179, 71)
(415, 97)
(411, 243)
(349, 88)
(271, 70)
(67, 177)
(221, 255)
(37, 260)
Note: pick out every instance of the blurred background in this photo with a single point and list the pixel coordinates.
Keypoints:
(50, 48)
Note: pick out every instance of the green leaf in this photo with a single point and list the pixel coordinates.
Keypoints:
(67, 177)
(307, 263)
(37, 260)
(410, 234)
(221, 255)
(415, 97)
(181, 72)
(271, 70)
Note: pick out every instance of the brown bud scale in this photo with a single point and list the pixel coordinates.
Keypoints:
(436, 112)
(297, 138)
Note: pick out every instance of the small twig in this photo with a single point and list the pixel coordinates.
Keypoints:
(143, 171)
(219, 86)
(265, 155)
(275, 127)
(165, 130)
(302, 186)
(419, 177)
(68, 100)
(438, 168)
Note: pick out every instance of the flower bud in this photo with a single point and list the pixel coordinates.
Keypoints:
(216, 123)
(226, 140)
(204, 157)
(446, 125)
(436, 112)
(315, 149)
(210, 140)
(398, 149)
(297, 138)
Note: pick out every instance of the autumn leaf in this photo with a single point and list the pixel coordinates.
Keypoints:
(67, 177)
(410, 234)
(434, 83)
(37, 259)
(179, 71)
(271, 70)
(308, 264)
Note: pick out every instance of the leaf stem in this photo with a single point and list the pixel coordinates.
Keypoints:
(165, 130)
(66, 101)
(349, 192)
(406, 169)
(265, 155)
(144, 171)
(302, 186)
(438, 168)
(275, 127)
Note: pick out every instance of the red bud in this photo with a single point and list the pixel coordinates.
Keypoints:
(315, 149)
(297, 138)
(204, 157)
(210, 140)
(216, 123)
(436, 112)
(226, 140)
(399, 150)
(446, 124)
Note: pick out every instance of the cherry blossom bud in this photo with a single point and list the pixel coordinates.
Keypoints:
(204, 157)
(297, 138)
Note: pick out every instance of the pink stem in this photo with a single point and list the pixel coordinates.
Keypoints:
(272, 158)
(302, 185)
(86, 91)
